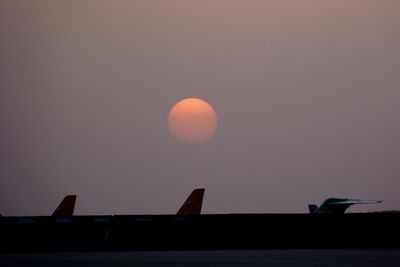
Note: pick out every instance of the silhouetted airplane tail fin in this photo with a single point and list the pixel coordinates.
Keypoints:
(193, 203)
(338, 205)
(312, 208)
(66, 207)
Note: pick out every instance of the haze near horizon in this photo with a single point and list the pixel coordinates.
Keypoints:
(307, 96)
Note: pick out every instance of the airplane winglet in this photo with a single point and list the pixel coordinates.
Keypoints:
(312, 208)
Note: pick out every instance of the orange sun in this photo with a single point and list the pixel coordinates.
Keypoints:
(192, 121)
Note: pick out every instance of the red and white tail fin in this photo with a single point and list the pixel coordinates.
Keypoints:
(192, 205)
(66, 207)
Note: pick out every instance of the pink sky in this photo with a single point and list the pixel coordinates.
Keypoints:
(307, 96)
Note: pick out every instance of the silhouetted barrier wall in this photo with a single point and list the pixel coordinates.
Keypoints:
(205, 232)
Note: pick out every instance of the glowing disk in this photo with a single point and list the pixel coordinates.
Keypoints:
(192, 121)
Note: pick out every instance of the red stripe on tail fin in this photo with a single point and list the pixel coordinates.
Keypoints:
(192, 205)
(66, 207)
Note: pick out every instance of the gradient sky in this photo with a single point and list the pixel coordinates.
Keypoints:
(307, 95)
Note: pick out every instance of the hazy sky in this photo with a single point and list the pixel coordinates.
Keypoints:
(307, 95)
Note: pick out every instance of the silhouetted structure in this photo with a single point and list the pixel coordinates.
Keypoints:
(202, 232)
(338, 205)
(66, 207)
(193, 203)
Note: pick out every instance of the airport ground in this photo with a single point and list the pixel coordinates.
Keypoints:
(322, 257)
